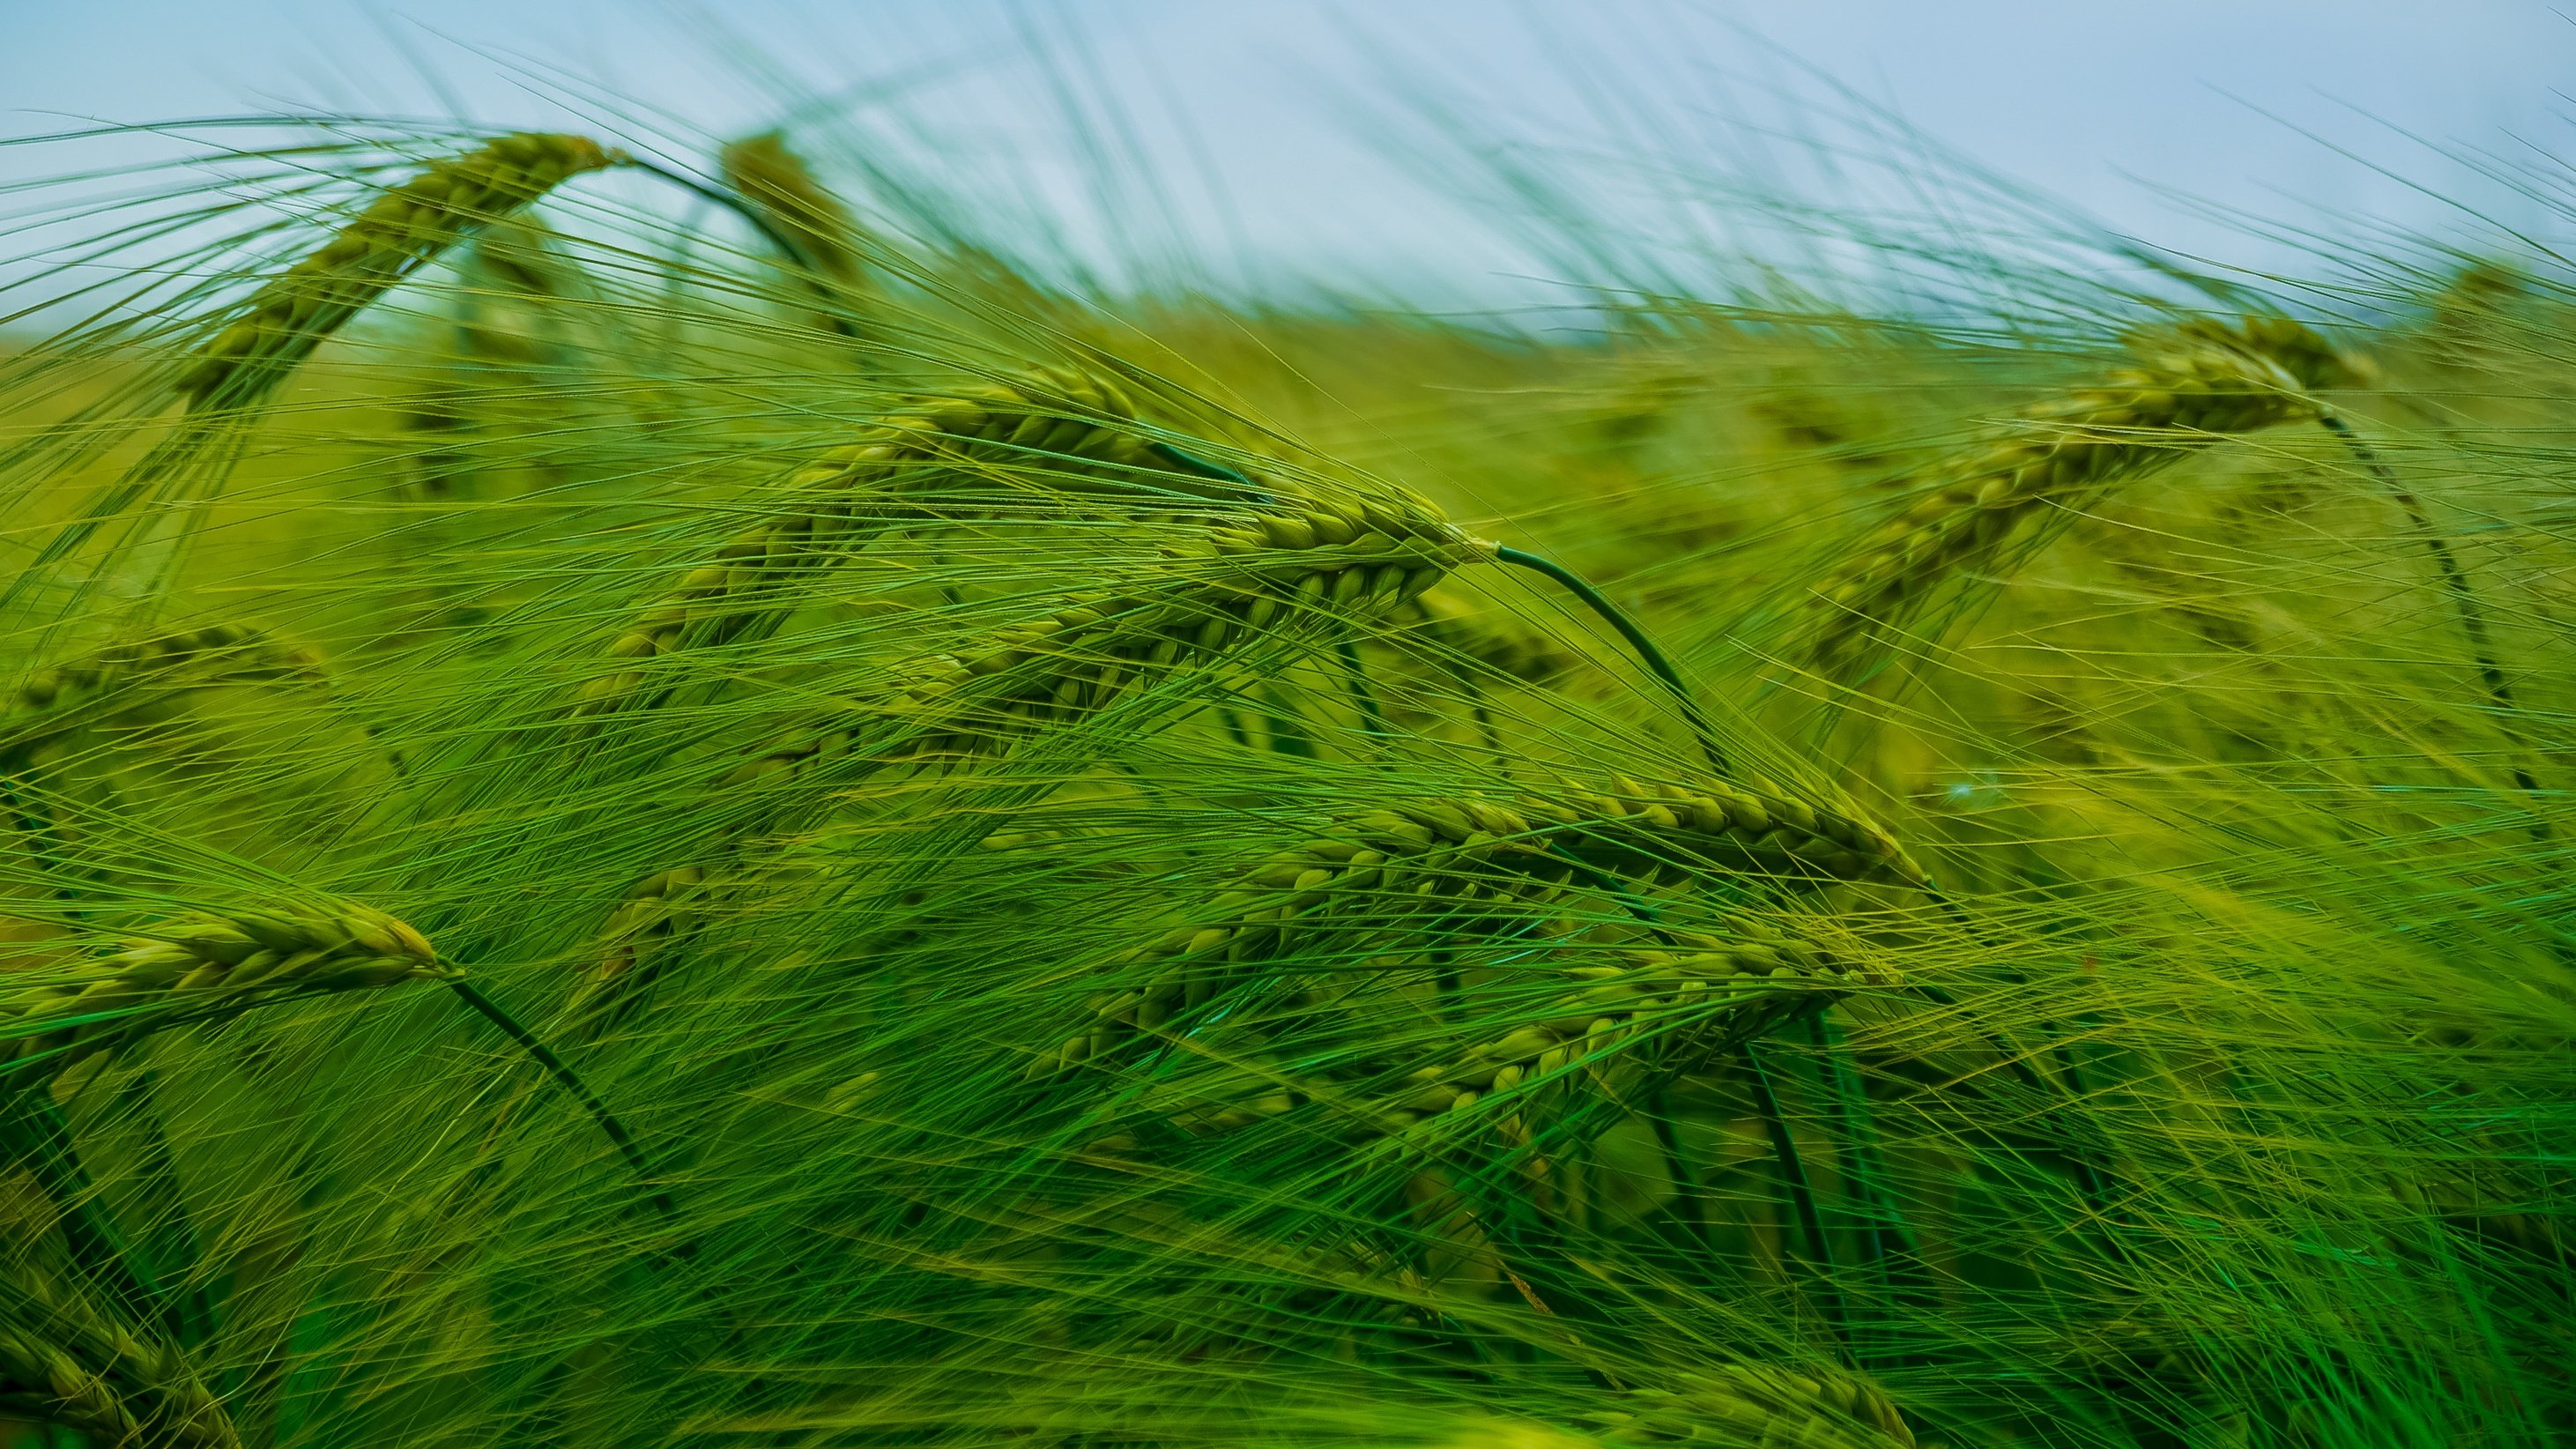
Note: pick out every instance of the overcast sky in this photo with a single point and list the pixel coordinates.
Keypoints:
(1276, 130)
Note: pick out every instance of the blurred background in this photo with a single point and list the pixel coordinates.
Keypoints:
(1405, 147)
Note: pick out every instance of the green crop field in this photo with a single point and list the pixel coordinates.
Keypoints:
(647, 802)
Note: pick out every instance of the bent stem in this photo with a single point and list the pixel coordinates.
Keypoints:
(1652, 657)
(545, 1057)
(2455, 582)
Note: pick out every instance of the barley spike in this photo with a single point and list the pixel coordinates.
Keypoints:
(2192, 385)
(406, 226)
(202, 967)
(63, 1362)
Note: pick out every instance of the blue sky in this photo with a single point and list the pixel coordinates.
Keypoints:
(1278, 135)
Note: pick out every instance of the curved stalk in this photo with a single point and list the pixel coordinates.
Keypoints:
(2455, 581)
(1652, 657)
(786, 245)
(564, 1076)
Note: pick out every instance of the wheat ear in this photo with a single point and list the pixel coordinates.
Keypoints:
(285, 320)
(63, 1362)
(2194, 385)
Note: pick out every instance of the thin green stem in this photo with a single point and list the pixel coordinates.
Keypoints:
(2455, 582)
(1864, 1175)
(1818, 1260)
(1372, 719)
(1652, 657)
(545, 1057)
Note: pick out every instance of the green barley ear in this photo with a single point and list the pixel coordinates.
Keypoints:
(2191, 386)
(65, 1362)
(286, 319)
(776, 180)
(203, 968)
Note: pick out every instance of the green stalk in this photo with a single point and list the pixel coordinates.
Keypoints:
(1818, 1260)
(1883, 1234)
(544, 1056)
(1652, 657)
(2455, 582)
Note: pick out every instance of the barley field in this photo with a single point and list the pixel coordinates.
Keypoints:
(650, 799)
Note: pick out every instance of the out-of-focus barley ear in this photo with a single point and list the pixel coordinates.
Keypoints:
(776, 181)
(1494, 641)
(2193, 385)
(66, 1362)
(140, 678)
(404, 227)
